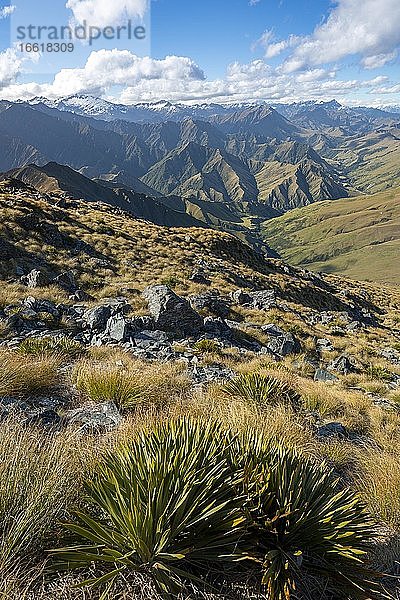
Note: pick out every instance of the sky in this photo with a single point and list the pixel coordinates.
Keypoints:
(209, 51)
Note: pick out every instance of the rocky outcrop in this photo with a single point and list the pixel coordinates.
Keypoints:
(171, 312)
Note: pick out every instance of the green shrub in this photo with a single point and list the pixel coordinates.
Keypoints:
(262, 389)
(103, 383)
(63, 346)
(186, 499)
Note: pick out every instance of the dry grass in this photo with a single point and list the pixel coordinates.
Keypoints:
(22, 375)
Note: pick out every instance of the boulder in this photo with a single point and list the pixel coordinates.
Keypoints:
(118, 328)
(171, 312)
(42, 306)
(324, 345)
(262, 299)
(342, 365)
(35, 279)
(212, 302)
(280, 342)
(217, 327)
(94, 417)
(329, 430)
(96, 318)
(324, 376)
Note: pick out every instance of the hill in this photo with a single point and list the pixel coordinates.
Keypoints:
(135, 359)
(357, 237)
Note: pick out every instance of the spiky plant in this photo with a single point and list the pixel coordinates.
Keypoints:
(166, 508)
(303, 524)
(48, 345)
(262, 389)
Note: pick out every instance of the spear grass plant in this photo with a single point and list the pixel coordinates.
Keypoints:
(188, 498)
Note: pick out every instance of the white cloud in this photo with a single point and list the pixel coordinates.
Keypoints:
(103, 13)
(369, 28)
(177, 78)
(6, 11)
(10, 67)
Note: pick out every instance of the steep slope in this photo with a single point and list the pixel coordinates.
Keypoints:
(261, 120)
(357, 237)
(63, 181)
(285, 186)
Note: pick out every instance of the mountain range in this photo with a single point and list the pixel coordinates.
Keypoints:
(231, 167)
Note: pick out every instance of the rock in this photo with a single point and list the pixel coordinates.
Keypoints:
(342, 365)
(336, 430)
(199, 277)
(217, 327)
(117, 306)
(212, 302)
(281, 342)
(93, 417)
(35, 279)
(118, 328)
(171, 312)
(44, 417)
(263, 300)
(210, 373)
(242, 298)
(42, 306)
(324, 345)
(81, 296)
(150, 339)
(391, 355)
(324, 376)
(66, 281)
(353, 326)
(96, 318)
(145, 323)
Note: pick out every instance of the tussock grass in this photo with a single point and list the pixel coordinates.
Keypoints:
(23, 375)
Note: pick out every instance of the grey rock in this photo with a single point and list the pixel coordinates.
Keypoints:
(210, 373)
(212, 302)
(342, 365)
(118, 328)
(96, 318)
(324, 345)
(263, 300)
(199, 277)
(66, 281)
(281, 342)
(42, 306)
(150, 339)
(335, 430)
(93, 417)
(171, 312)
(242, 298)
(35, 279)
(391, 355)
(217, 327)
(324, 376)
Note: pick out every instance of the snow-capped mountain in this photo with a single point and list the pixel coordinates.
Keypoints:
(99, 108)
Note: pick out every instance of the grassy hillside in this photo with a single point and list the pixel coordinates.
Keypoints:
(357, 237)
(149, 463)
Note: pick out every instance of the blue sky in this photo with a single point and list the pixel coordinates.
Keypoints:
(215, 50)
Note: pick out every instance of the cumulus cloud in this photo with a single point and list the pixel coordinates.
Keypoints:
(6, 11)
(103, 13)
(127, 78)
(10, 67)
(370, 28)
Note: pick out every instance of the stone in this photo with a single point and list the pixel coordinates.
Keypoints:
(42, 306)
(95, 417)
(328, 430)
(212, 302)
(342, 365)
(263, 300)
(210, 373)
(391, 355)
(96, 318)
(242, 298)
(118, 328)
(324, 376)
(35, 279)
(324, 345)
(281, 342)
(217, 327)
(150, 339)
(66, 281)
(171, 312)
